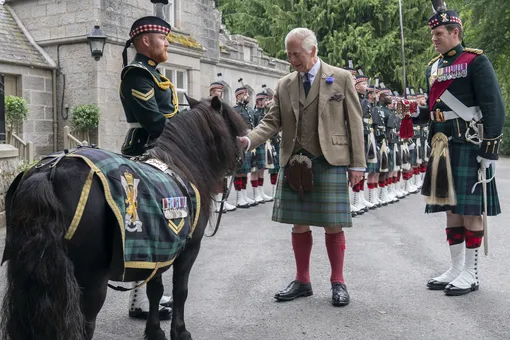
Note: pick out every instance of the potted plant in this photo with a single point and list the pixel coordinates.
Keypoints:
(16, 112)
(84, 119)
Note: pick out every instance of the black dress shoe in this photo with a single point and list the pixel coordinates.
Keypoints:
(294, 290)
(340, 295)
(165, 314)
(436, 285)
(451, 290)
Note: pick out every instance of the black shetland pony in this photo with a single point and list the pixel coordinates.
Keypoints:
(55, 287)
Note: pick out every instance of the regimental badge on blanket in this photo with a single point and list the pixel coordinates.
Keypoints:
(175, 208)
(132, 221)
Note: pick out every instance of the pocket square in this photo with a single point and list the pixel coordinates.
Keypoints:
(337, 96)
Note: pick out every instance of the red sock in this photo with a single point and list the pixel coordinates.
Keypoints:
(375, 185)
(416, 171)
(238, 183)
(474, 239)
(274, 177)
(455, 235)
(395, 179)
(335, 244)
(362, 185)
(355, 188)
(261, 182)
(381, 184)
(254, 183)
(302, 245)
(244, 181)
(390, 180)
(371, 185)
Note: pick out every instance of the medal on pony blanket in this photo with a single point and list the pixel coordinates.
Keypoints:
(175, 207)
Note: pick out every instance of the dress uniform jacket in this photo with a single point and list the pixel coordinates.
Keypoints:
(149, 99)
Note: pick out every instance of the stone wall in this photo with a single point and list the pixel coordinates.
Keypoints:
(36, 88)
(57, 19)
(8, 165)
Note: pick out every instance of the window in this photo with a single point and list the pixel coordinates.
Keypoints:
(166, 11)
(180, 80)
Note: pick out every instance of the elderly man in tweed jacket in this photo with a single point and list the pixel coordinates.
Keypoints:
(318, 112)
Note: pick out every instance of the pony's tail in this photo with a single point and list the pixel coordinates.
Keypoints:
(42, 297)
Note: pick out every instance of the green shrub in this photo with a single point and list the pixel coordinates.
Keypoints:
(85, 117)
(16, 111)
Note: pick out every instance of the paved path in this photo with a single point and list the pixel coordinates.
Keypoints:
(391, 253)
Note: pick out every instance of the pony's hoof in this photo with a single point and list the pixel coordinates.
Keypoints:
(182, 336)
(158, 334)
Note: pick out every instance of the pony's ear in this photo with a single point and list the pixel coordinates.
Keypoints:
(191, 101)
(216, 103)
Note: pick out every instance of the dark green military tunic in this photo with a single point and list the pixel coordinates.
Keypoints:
(149, 99)
(249, 118)
(474, 85)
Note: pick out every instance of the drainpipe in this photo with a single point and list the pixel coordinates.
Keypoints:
(54, 100)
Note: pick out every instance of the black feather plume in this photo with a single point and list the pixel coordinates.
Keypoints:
(438, 6)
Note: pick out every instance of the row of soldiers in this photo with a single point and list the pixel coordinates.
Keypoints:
(265, 157)
(396, 161)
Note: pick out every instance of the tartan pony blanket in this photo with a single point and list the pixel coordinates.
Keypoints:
(155, 209)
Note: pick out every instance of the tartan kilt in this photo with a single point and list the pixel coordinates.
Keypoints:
(374, 168)
(276, 164)
(327, 205)
(414, 156)
(246, 167)
(465, 175)
(260, 153)
(391, 158)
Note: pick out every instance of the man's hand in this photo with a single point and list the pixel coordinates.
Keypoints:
(245, 142)
(355, 177)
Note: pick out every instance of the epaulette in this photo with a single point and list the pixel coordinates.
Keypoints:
(473, 50)
(434, 60)
(131, 66)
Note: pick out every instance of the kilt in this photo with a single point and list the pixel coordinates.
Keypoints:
(391, 159)
(276, 164)
(327, 205)
(414, 156)
(465, 175)
(246, 168)
(260, 153)
(374, 168)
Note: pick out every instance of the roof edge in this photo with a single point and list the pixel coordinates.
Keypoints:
(31, 40)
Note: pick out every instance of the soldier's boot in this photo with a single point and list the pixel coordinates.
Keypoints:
(372, 197)
(468, 280)
(139, 304)
(410, 188)
(359, 202)
(257, 197)
(383, 195)
(251, 202)
(403, 185)
(229, 207)
(368, 204)
(398, 189)
(455, 238)
(392, 195)
(265, 197)
(217, 203)
(355, 211)
(417, 181)
(240, 201)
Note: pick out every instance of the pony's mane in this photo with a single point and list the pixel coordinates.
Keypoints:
(200, 144)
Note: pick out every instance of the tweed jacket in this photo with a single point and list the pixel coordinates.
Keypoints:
(340, 125)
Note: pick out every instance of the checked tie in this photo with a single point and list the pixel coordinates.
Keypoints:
(306, 83)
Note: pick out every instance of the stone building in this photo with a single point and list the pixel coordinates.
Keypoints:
(53, 69)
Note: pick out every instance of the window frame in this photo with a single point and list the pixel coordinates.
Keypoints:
(173, 78)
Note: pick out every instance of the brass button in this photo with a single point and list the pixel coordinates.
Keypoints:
(438, 100)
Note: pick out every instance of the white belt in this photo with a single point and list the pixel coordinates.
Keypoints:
(135, 125)
(459, 110)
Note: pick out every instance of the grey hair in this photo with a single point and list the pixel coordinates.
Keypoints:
(306, 36)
